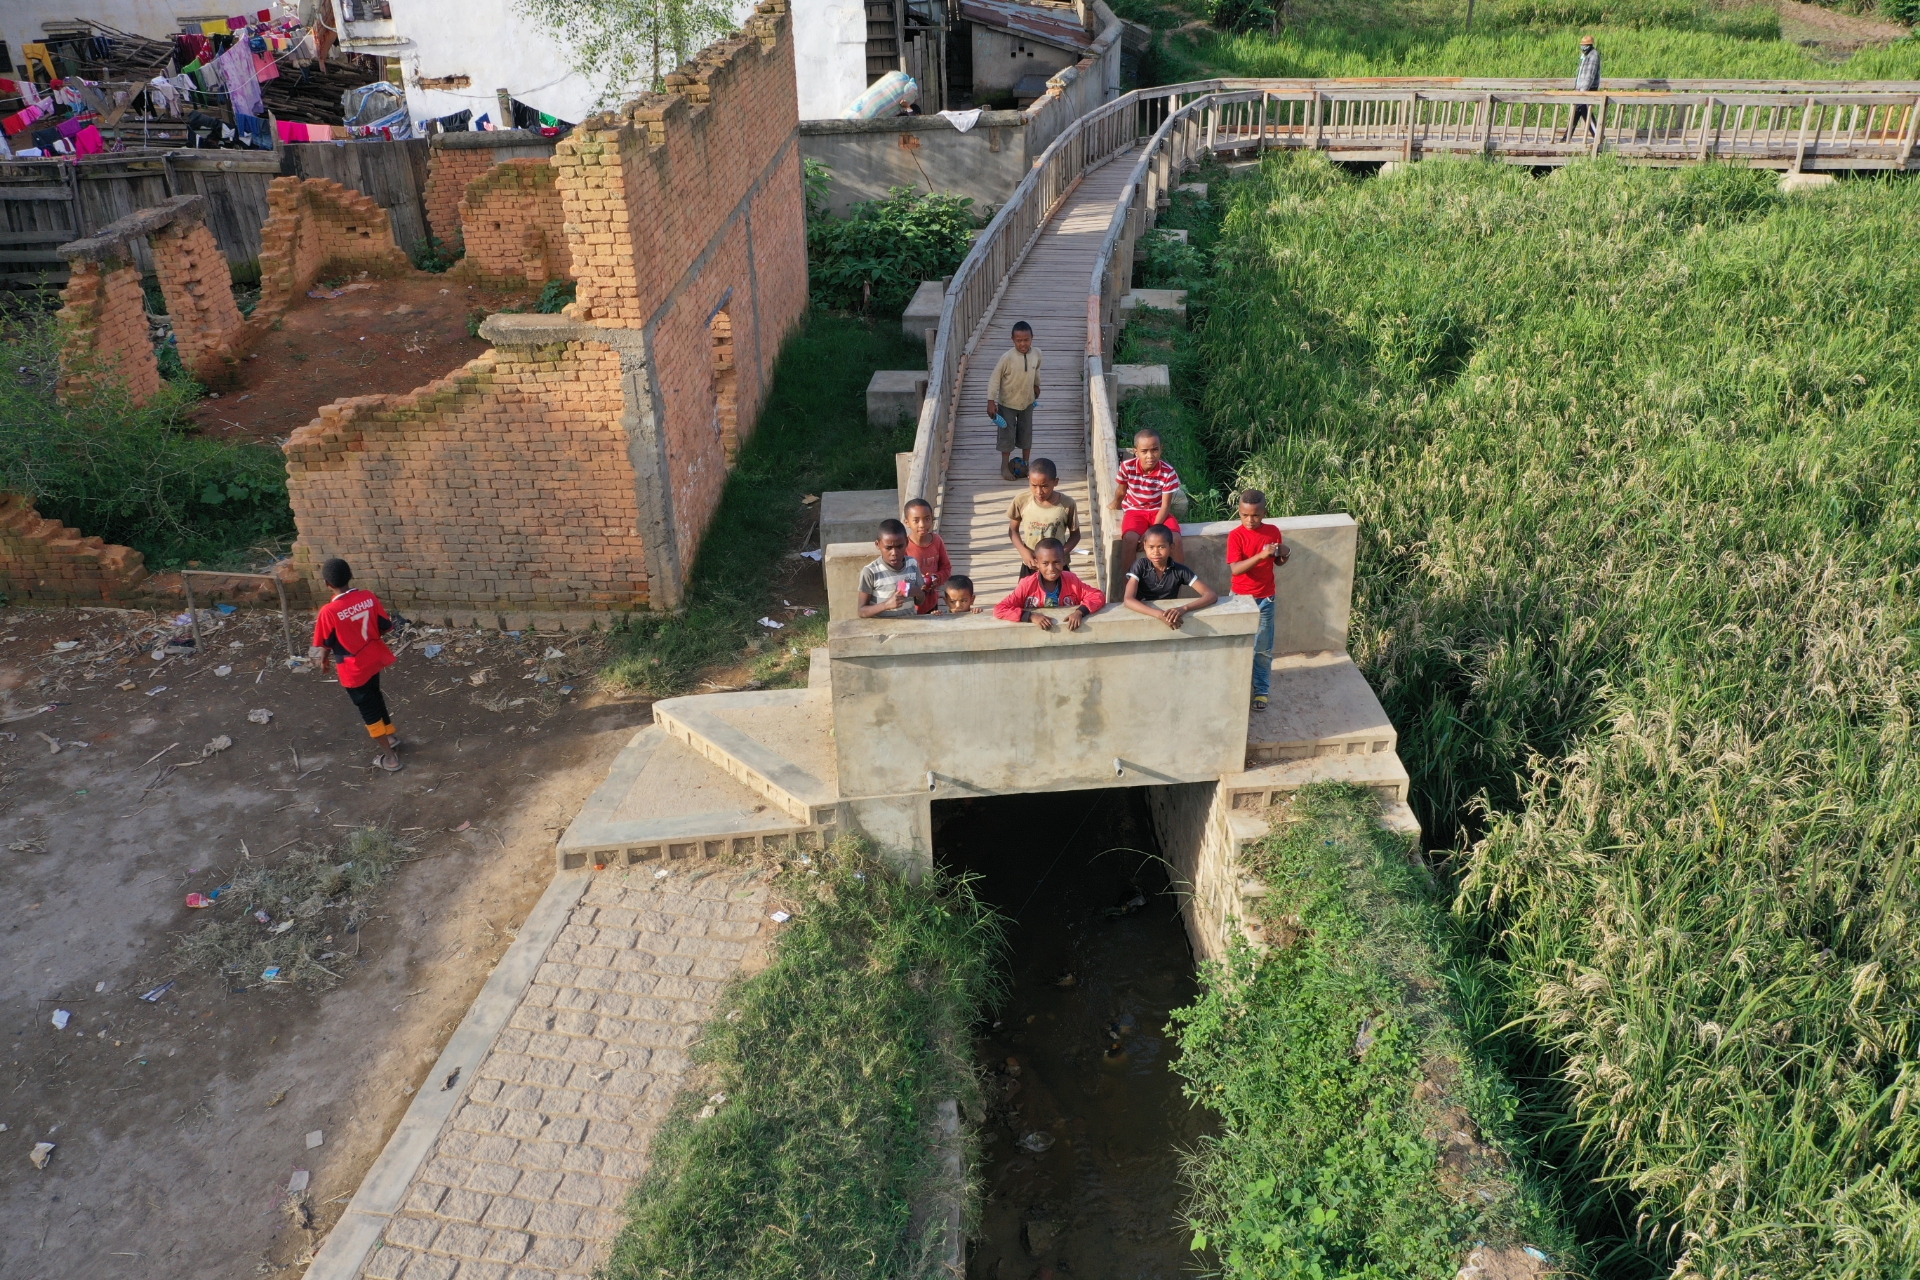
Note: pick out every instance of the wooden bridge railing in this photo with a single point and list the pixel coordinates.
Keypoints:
(1793, 125)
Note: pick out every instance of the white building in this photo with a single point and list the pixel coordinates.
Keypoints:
(456, 54)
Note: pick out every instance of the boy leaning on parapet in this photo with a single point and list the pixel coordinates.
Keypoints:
(348, 633)
(891, 585)
(925, 547)
(959, 592)
(1042, 512)
(1252, 551)
(1012, 393)
(1156, 576)
(1050, 586)
(1145, 497)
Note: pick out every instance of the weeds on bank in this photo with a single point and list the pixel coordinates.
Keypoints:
(873, 259)
(133, 474)
(812, 436)
(1633, 459)
(810, 1142)
(1361, 1134)
(315, 900)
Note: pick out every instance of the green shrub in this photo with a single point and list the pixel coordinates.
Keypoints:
(133, 474)
(1339, 1064)
(1636, 583)
(554, 297)
(433, 254)
(809, 1144)
(874, 258)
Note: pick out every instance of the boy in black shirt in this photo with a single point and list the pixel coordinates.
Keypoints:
(1157, 576)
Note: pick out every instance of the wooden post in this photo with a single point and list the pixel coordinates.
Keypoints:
(1486, 124)
(1319, 119)
(1806, 119)
(1413, 109)
(1599, 127)
(1913, 134)
(503, 103)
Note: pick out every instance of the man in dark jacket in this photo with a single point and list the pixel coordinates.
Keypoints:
(1585, 80)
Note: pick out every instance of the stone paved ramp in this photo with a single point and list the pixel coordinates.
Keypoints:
(527, 1179)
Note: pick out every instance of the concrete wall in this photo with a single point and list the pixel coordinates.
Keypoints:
(1201, 838)
(993, 707)
(869, 157)
(1313, 591)
(1002, 59)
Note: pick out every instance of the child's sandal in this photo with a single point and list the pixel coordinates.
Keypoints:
(1259, 702)
(389, 761)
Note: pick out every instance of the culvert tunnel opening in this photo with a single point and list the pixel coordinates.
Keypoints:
(1085, 1123)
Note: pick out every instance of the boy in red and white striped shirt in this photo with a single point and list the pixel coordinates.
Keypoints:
(1147, 486)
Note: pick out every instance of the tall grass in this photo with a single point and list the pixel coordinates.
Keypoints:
(1633, 455)
(1363, 1132)
(810, 1144)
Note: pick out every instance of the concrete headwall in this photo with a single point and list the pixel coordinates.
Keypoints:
(994, 708)
(1312, 591)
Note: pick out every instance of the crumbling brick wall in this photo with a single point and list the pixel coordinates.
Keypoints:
(316, 226)
(514, 226)
(450, 170)
(104, 331)
(45, 561)
(683, 204)
(208, 330)
(505, 487)
(579, 465)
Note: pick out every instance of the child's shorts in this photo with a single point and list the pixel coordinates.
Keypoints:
(1018, 431)
(1141, 521)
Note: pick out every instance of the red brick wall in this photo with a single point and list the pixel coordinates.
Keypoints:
(315, 226)
(505, 486)
(449, 172)
(207, 327)
(105, 331)
(514, 226)
(43, 560)
(647, 190)
(515, 484)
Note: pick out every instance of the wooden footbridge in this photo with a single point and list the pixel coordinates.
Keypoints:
(1059, 252)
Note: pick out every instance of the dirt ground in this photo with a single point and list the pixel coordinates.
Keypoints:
(1835, 35)
(381, 336)
(179, 1123)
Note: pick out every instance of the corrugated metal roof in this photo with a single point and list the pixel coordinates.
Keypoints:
(1055, 26)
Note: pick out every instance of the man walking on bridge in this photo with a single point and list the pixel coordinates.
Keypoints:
(1585, 80)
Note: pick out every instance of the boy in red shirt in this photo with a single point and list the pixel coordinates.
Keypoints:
(1050, 586)
(1252, 551)
(924, 545)
(1147, 486)
(348, 632)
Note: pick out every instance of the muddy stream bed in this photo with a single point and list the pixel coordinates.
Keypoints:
(1086, 1123)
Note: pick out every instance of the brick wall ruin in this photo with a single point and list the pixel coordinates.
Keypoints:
(208, 330)
(316, 227)
(46, 562)
(104, 330)
(475, 513)
(449, 172)
(578, 466)
(514, 227)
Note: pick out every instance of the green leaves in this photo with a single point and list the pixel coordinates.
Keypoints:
(874, 259)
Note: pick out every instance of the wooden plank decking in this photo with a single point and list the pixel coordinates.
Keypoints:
(1049, 292)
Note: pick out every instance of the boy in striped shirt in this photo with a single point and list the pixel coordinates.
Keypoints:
(1147, 486)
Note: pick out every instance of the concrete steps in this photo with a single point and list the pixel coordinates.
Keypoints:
(776, 743)
(1320, 706)
(1253, 791)
(664, 801)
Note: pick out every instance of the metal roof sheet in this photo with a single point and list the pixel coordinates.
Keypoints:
(1051, 25)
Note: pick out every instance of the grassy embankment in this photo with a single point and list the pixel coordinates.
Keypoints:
(810, 1143)
(136, 475)
(1633, 454)
(1362, 1134)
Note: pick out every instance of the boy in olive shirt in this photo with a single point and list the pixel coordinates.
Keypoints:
(1042, 512)
(1012, 393)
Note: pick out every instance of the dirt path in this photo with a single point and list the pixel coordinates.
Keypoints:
(1840, 34)
(179, 1123)
(380, 336)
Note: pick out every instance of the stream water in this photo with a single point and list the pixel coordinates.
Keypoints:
(1086, 1123)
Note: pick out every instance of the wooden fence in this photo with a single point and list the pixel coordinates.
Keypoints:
(46, 203)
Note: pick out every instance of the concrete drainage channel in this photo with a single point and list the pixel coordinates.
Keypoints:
(1085, 1124)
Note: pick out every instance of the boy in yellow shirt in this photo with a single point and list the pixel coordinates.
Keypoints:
(1012, 394)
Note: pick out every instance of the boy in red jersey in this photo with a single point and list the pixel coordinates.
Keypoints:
(348, 632)
(1253, 550)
